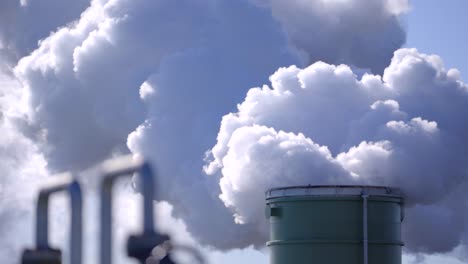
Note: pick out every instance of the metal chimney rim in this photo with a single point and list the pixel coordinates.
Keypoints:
(333, 190)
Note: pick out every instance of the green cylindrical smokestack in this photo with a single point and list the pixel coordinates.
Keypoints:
(334, 225)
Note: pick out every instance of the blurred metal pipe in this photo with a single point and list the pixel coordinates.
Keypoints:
(72, 187)
(115, 169)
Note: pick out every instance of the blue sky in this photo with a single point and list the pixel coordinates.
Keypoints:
(440, 27)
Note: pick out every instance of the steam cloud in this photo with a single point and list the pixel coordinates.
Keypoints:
(404, 129)
(312, 25)
(155, 78)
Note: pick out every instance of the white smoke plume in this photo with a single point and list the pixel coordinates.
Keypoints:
(155, 78)
(405, 129)
(83, 80)
(312, 25)
(102, 59)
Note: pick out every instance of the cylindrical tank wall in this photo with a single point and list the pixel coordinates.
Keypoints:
(325, 225)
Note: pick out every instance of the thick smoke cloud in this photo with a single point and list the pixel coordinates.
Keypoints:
(97, 63)
(367, 31)
(186, 99)
(251, 164)
(405, 129)
(156, 77)
(164, 136)
(82, 82)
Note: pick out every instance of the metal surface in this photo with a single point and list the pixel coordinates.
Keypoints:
(334, 190)
(43, 253)
(115, 169)
(364, 227)
(334, 225)
(44, 256)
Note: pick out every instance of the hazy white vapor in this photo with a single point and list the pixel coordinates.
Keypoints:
(22, 168)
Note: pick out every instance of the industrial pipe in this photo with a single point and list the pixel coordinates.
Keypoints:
(43, 253)
(138, 246)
